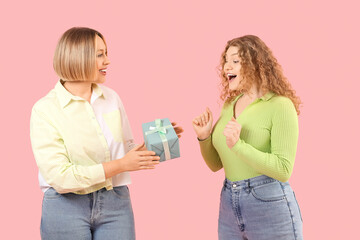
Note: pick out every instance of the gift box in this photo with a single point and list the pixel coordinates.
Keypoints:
(160, 137)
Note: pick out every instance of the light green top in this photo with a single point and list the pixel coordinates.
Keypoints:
(267, 144)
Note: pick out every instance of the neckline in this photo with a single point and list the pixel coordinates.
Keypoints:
(234, 106)
(265, 97)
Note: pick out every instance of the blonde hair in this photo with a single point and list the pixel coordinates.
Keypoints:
(259, 67)
(75, 54)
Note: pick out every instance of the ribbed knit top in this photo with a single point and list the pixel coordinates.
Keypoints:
(267, 144)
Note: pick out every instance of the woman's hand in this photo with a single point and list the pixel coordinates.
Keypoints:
(139, 158)
(177, 129)
(202, 124)
(232, 132)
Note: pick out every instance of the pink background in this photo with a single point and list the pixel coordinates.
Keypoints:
(164, 56)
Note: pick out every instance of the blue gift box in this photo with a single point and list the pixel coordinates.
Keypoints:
(160, 137)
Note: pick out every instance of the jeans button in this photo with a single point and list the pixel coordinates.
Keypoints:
(234, 185)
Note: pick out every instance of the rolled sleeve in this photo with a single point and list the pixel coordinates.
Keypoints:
(52, 159)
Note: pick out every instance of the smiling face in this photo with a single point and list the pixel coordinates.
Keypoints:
(102, 60)
(232, 67)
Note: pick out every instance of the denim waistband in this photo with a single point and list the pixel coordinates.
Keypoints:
(251, 182)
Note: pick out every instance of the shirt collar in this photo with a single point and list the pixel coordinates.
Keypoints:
(267, 96)
(96, 93)
(65, 97)
(97, 89)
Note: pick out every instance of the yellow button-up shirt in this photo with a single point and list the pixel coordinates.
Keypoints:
(71, 138)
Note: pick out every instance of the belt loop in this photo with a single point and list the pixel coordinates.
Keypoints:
(226, 183)
(248, 188)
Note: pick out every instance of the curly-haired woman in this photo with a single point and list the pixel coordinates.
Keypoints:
(255, 141)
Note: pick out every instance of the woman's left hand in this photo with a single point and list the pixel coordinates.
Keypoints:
(177, 129)
(232, 132)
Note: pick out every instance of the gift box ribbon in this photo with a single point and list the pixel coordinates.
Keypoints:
(159, 128)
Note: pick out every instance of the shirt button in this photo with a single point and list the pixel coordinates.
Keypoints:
(234, 185)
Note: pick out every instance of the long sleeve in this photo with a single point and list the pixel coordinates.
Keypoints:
(53, 161)
(279, 162)
(210, 154)
(127, 132)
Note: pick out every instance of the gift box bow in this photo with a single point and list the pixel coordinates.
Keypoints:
(161, 130)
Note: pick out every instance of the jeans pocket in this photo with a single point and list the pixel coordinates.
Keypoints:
(268, 192)
(51, 194)
(121, 192)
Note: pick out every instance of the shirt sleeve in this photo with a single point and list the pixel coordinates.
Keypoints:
(53, 162)
(210, 154)
(279, 163)
(127, 132)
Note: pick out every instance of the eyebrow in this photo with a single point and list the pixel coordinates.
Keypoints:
(232, 54)
(101, 49)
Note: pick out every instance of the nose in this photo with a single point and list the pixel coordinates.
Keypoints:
(227, 66)
(107, 60)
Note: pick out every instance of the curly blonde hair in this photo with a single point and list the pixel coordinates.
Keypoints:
(258, 66)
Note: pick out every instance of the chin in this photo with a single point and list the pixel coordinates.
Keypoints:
(233, 88)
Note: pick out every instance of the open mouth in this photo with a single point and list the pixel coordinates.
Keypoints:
(231, 76)
(103, 71)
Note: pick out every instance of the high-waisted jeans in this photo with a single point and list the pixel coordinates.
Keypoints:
(259, 208)
(99, 215)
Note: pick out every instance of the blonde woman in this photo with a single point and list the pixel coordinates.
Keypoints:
(255, 141)
(83, 146)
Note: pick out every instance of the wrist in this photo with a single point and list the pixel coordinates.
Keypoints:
(120, 163)
(203, 137)
(236, 145)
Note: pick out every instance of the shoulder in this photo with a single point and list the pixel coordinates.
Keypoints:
(47, 102)
(282, 106)
(281, 102)
(226, 105)
(108, 92)
(226, 109)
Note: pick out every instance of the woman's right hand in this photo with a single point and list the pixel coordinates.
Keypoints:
(139, 158)
(202, 124)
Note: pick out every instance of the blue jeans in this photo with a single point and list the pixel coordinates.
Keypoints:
(259, 208)
(99, 215)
